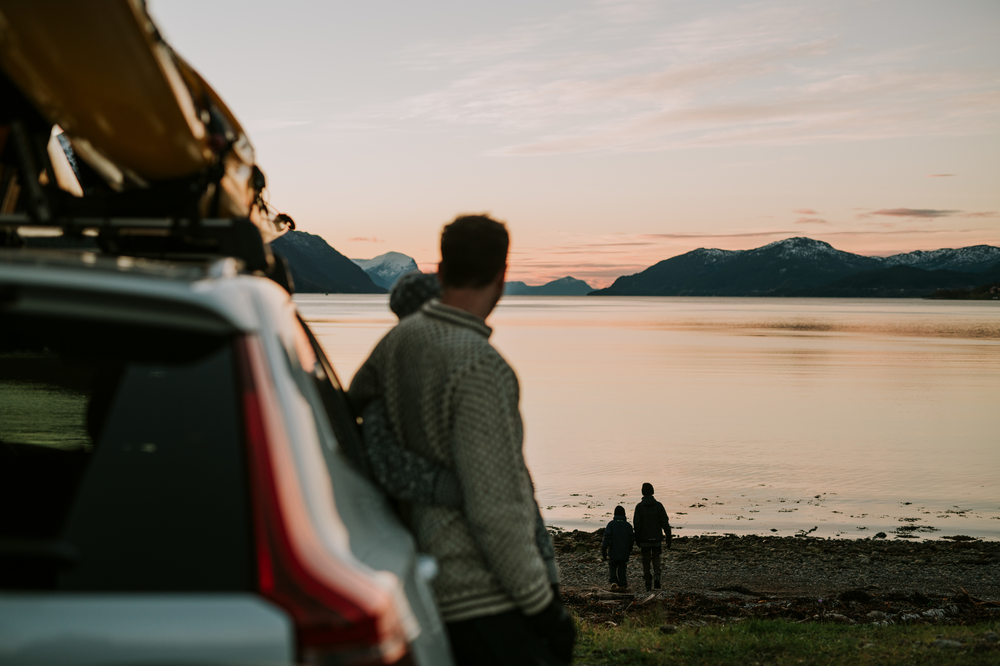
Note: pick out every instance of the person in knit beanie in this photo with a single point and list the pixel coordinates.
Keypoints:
(411, 292)
(618, 537)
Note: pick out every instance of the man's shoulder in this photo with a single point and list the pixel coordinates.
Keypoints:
(436, 336)
(457, 352)
(451, 333)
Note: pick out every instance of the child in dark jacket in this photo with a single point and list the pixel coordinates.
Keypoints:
(619, 538)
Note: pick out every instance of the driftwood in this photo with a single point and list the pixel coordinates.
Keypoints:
(619, 596)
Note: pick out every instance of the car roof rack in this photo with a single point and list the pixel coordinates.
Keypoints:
(174, 239)
(161, 220)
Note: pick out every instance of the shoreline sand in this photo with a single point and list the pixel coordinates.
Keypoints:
(844, 580)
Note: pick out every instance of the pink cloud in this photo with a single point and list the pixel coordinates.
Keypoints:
(806, 211)
(913, 212)
(987, 213)
(811, 220)
(365, 239)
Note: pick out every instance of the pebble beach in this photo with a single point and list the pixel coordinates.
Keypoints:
(872, 580)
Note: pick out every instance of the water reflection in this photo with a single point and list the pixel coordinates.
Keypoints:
(845, 409)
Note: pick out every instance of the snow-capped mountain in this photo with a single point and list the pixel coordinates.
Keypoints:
(386, 268)
(713, 255)
(799, 248)
(971, 259)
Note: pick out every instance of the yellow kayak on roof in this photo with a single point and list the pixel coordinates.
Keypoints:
(133, 110)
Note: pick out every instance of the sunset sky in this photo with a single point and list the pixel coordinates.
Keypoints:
(612, 134)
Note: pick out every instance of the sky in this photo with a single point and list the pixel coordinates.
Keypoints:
(613, 134)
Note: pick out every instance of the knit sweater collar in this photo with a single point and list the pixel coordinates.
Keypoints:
(436, 309)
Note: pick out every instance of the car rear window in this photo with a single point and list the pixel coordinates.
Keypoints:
(122, 465)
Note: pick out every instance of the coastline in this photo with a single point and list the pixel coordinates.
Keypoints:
(715, 578)
(762, 512)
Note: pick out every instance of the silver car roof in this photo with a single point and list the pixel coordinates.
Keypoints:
(209, 295)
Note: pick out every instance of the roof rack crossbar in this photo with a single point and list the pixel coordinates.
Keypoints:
(236, 237)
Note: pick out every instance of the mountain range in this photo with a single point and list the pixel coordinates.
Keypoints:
(806, 267)
(791, 267)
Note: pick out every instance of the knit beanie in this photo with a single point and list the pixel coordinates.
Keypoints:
(411, 291)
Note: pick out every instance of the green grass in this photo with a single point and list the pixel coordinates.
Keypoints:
(638, 640)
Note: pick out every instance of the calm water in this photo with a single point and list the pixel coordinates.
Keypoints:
(747, 415)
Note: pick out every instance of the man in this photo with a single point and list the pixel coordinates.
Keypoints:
(403, 474)
(650, 524)
(619, 538)
(452, 398)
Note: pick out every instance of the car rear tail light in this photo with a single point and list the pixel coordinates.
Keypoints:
(340, 616)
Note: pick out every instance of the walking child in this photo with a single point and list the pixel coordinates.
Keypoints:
(619, 539)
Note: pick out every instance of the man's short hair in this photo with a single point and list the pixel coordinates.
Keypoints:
(473, 251)
(647, 489)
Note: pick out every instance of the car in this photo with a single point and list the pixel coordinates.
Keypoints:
(173, 484)
(172, 479)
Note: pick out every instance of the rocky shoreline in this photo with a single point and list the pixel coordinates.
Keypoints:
(723, 578)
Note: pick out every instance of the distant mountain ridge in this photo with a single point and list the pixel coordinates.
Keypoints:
(787, 267)
(318, 268)
(386, 268)
(567, 286)
(972, 259)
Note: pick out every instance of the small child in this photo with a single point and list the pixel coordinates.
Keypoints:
(618, 536)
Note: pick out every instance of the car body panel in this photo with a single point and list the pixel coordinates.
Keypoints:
(40, 629)
(351, 517)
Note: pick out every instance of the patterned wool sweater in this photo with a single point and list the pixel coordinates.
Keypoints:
(452, 398)
(404, 474)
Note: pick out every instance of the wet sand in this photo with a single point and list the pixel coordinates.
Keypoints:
(759, 512)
